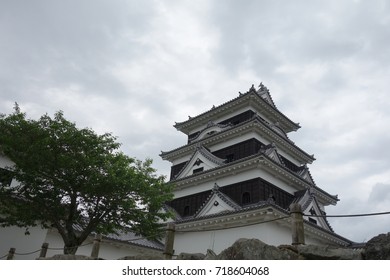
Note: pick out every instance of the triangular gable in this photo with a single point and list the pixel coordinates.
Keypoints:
(200, 161)
(313, 209)
(216, 203)
(305, 174)
(304, 198)
(271, 152)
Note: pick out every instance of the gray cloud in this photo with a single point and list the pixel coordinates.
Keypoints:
(133, 68)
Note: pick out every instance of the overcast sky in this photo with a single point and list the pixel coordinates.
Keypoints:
(133, 68)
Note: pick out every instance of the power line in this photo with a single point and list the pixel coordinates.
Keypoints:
(224, 228)
(307, 215)
(348, 215)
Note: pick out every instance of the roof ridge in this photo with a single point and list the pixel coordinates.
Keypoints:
(252, 90)
(263, 90)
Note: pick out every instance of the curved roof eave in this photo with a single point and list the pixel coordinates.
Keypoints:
(250, 162)
(287, 142)
(266, 208)
(287, 124)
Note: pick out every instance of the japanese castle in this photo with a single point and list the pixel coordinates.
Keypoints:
(237, 176)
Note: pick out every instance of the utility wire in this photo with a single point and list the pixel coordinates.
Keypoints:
(243, 225)
(308, 215)
(348, 216)
(25, 254)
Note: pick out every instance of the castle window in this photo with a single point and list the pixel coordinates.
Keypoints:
(246, 198)
(314, 221)
(229, 157)
(197, 170)
(186, 211)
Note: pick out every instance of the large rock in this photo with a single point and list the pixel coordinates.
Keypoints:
(315, 252)
(378, 248)
(210, 255)
(144, 257)
(186, 256)
(254, 249)
(67, 257)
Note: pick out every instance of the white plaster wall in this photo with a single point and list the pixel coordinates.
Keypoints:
(108, 250)
(313, 241)
(14, 237)
(271, 233)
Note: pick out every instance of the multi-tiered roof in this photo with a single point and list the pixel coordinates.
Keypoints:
(239, 159)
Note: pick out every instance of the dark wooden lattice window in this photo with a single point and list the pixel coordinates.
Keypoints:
(259, 190)
(247, 115)
(186, 211)
(246, 198)
(194, 202)
(240, 150)
(229, 157)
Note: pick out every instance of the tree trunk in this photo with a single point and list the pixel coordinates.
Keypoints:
(70, 249)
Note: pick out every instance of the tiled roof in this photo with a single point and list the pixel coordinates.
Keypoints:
(255, 119)
(265, 94)
(350, 243)
(259, 205)
(129, 238)
(305, 198)
(263, 205)
(262, 153)
(252, 91)
(133, 239)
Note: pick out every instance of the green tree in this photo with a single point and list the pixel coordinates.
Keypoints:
(76, 181)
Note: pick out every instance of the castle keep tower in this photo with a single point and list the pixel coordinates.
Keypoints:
(239, 173)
